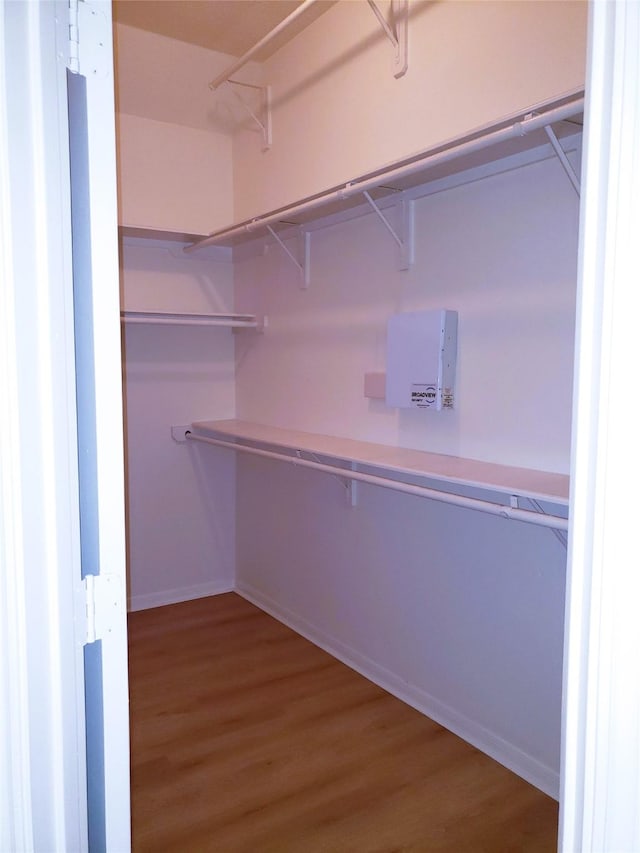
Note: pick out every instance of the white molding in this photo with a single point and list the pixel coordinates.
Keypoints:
(16, 814)
(543, 777)
(601, 719)
(96, 65)
(175, 596)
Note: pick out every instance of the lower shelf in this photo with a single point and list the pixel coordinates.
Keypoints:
(387, 466)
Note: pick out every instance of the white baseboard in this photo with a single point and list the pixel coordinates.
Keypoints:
(174, 596)
(524, 765)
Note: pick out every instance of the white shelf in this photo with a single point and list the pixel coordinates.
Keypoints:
(447, 471)
(514, 135)
(166, 318)
(149, 233)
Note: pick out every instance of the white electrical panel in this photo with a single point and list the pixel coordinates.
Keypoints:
(421, 359)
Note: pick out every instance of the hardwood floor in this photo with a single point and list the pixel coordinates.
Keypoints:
(246, 737)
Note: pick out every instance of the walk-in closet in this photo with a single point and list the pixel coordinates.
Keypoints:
(348, 289)
(318, 324)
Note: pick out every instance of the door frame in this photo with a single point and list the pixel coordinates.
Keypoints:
(43, 603)
(600, 774)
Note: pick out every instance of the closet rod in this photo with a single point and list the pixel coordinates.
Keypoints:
(173, 319)
(516, 513)
(362, 184)
(242, 60)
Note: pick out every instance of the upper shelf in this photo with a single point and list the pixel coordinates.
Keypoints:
(162, 234)
(542, 125)
(450, 471)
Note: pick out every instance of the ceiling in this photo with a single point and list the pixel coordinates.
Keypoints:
(228, 26)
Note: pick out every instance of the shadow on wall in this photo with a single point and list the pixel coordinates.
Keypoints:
(417, 8)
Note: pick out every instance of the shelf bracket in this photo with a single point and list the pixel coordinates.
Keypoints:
(263, 116)
(560, 535)
(405, 239)
(564, 160)
(181, 433)
(397, 32)
(350, 485)
(304, 250)
(353, 488)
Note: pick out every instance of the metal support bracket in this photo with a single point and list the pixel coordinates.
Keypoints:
(405, 238)
(564, 160)
(180, 433)
(350, 485)
(397, 32)
(263, 117)
(304, 251)
(353, 488)
(560, 535)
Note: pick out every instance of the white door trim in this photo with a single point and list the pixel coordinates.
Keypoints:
(95, 64)
(15, 777)
(600, 785)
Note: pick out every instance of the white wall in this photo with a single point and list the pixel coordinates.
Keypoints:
(501, 252)
(338, 111)
(174, 175)
(167, 80)
(181, 538)
(174, 134)
(173, 178)
(459, 613)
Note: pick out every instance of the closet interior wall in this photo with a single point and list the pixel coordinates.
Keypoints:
(181, 519)
(339, 112)
(175, 177)
(459, 613)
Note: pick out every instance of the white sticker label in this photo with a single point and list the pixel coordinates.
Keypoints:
(423, 396)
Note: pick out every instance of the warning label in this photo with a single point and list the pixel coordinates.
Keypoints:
(423, 396)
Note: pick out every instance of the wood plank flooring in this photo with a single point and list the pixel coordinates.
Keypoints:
(246, 738)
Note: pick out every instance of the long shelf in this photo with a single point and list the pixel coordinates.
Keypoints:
(506, 482)
(167, 318)
(542, 125)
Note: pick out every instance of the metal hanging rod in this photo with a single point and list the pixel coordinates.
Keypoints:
(362, 184)
(242, 60)
(171, 318)
(505, 511)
